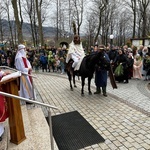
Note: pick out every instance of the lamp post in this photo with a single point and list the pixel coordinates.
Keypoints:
(111, 41)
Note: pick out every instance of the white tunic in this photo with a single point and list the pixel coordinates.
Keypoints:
(77, 51)
(1, 129)
(22, 64)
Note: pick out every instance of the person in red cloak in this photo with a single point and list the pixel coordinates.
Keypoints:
(3, 109)
(22, 64)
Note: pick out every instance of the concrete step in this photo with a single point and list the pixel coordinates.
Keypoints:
(29, 142)
(36, 131)
(4, 142)
(40, 129)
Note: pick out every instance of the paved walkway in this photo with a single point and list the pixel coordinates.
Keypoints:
(122, 118)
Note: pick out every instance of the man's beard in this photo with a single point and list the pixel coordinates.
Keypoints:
(77, 42)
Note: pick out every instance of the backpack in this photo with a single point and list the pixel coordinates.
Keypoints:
(43, 60)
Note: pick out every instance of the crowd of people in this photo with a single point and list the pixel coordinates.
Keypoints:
(126, 63)
(47, 59)
(135, 62)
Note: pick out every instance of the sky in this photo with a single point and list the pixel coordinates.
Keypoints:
(51, 13)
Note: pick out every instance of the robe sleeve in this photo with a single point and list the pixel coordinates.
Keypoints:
(20, 65)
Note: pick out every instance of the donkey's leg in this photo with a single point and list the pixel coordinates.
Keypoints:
(74, 82)
(89, 86)
(83, 83)
(70, 78)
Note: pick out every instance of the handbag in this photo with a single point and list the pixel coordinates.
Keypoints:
(119, 70)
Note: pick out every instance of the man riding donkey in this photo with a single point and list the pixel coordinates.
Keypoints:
(75, 52)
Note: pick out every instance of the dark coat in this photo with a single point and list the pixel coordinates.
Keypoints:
(124, 60)
(101, 75)
(146, 64)
(112, 55)
(130, 67)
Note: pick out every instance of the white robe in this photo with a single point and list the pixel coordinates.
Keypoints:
(78, 51)
(1, 129)
(26, 87)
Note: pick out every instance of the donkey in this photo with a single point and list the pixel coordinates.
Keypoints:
(86, 69)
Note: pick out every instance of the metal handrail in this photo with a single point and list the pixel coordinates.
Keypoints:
(38, 103)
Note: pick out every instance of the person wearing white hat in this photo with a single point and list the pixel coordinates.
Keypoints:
(22, 64)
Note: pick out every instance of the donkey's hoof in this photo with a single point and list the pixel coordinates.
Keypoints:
(71, 89)
(90, 93)
(82, 94)
(75, 86)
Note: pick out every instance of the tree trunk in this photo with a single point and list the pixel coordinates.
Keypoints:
(134, 20)
(144, 25)
(18, 24)
(38, 11)
(1, 31)
(98, 30)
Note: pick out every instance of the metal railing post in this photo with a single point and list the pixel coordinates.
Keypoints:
(51, 130)
(38, 103)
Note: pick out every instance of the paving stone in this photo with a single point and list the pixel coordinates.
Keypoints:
(145, 145)
(121, 118)
(136, 145)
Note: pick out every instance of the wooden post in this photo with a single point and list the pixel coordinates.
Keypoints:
(17, 133)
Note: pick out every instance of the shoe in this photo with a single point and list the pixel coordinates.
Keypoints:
(2, 135)
(104, 94)
(125, 82)
(28, 103)
(97, 92)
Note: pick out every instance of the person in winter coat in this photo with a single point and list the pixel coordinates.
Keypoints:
(121, 59)
(44, 62)
(130, 65)
(137, 74)
(51, 61)
(101, 75)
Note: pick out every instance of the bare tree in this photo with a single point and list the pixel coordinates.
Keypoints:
(17, 21)
(90, 28)
(110, 17)
(100, 6)
(139, 8)
(77, 12)
(38, 4)
(31, 13)
(143, 6)
(7, 10)
(1, 24)
(133, 5)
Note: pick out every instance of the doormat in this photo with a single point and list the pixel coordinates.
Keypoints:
(72, 132)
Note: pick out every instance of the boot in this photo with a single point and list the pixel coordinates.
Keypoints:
(98, 90)
(104, 91)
